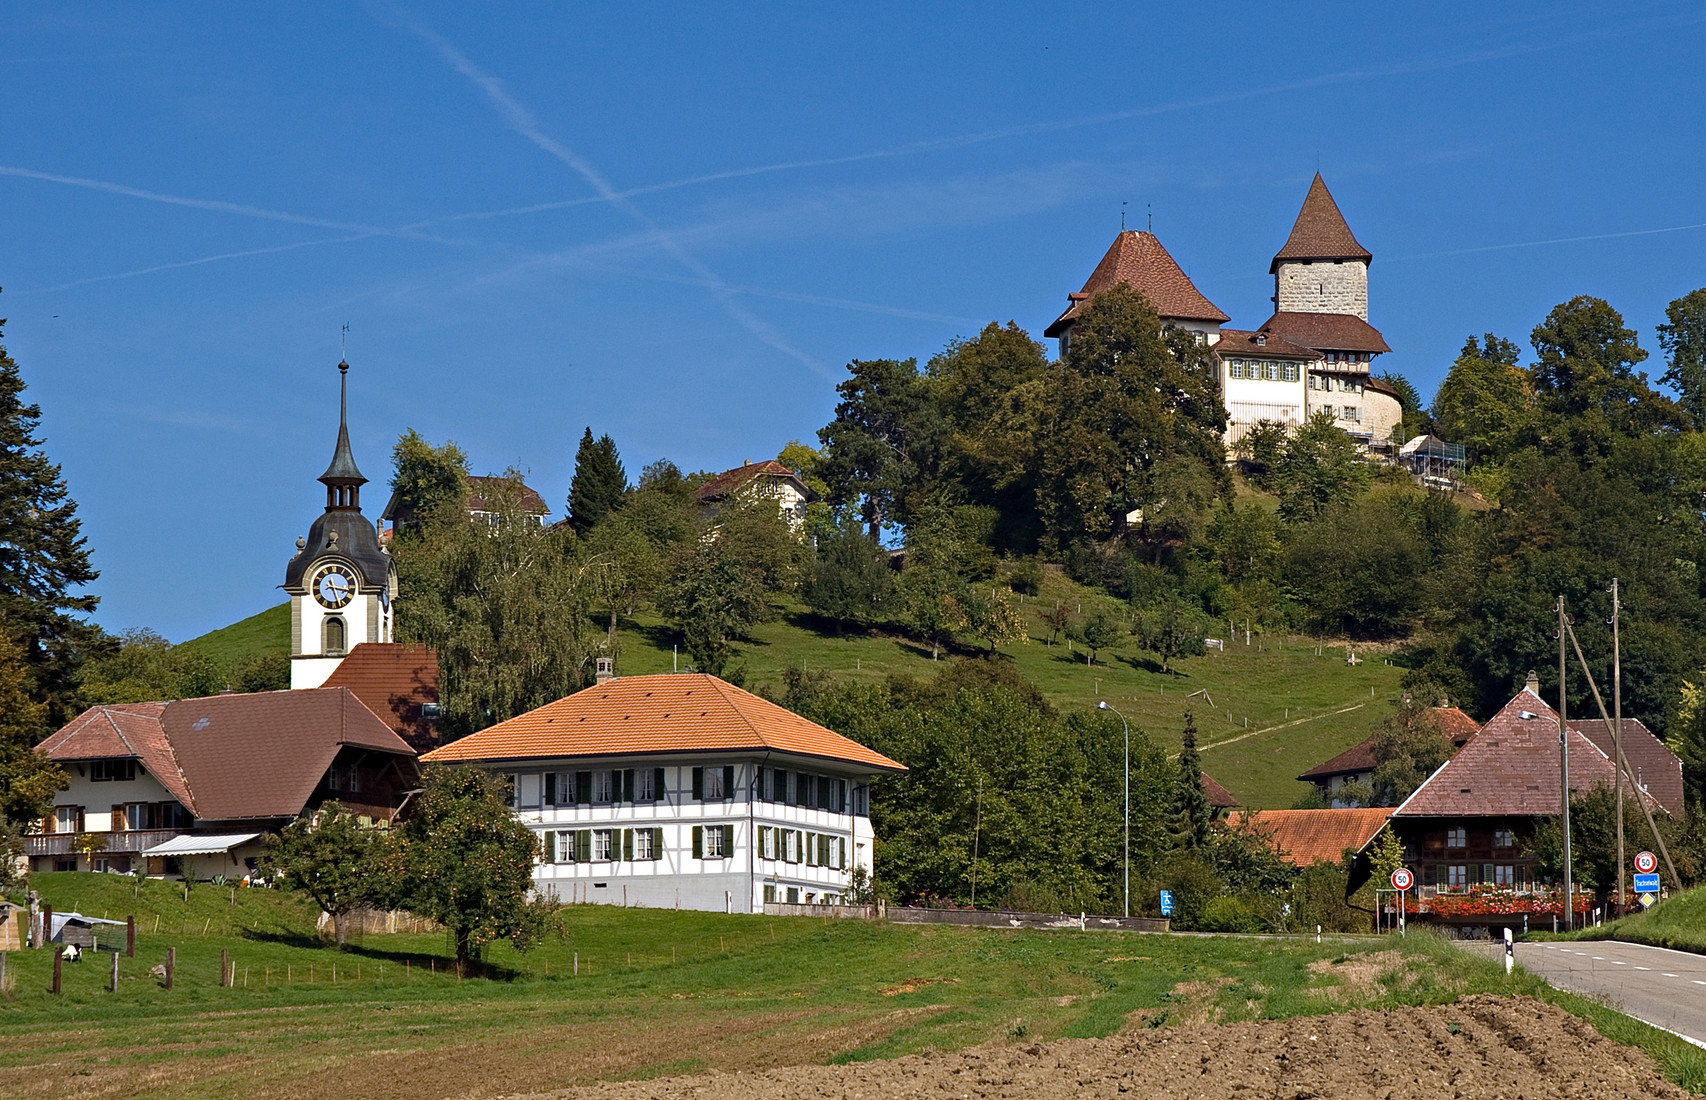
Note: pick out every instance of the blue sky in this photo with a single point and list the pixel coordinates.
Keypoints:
(676, 224)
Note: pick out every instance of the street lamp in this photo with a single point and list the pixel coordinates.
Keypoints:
(1103, 705)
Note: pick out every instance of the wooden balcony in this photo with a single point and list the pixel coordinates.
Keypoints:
(64, 844)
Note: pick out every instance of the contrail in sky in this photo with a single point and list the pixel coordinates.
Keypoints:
(217, 205)
(204, 260)
(521, 120)
(1554, 240)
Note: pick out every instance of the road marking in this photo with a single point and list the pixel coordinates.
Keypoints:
(1598, 959)
(1643, 968)
(1670, 975)
(1697, 981)
(1618, 962)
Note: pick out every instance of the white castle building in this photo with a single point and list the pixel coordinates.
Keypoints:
(1313, 353)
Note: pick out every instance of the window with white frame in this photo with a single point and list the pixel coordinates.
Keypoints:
(1456, 876)
(565, 846)
(1504, 874)
(644, 846)
(67, 819)
(766, 842)
(601, 844)
(646, 781)
(136, 815)
(1457, 837)
(1504, 838)
(1270, 371)
(712, 789)
(713, 843)
(790, 846)
(1290, 372)
(1235, 370)
(603, 787)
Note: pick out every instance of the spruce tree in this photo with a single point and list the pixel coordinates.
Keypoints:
(1191, 810)
(600, 482)
(43, 557)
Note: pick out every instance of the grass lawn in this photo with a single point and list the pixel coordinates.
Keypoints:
(632, 993)
(1265, 711)
(1679, 921)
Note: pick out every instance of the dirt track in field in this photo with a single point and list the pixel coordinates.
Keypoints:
(1482, 1047)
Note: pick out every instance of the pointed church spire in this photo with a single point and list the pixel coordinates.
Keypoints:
(1320, 232)
(343, 481)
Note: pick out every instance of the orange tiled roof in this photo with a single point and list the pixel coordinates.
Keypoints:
(1305, 836)
(1320, 232)
(669, 712)
(1139, 261)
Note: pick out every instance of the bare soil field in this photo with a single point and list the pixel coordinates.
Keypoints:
(1483, 1047)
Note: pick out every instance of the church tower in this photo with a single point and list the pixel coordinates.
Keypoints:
(341, 582)
(1322, 268)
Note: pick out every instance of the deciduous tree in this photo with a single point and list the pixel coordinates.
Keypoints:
(1486, 402)
(468, 863)
(1683, 337)
(333, 859)
(851, 581)
(882, 450)
(427, 482)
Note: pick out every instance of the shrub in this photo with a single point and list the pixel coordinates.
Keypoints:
(1232, 914)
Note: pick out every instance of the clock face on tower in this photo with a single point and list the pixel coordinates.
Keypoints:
(334, 586)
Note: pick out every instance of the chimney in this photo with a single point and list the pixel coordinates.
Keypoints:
(1533, 685)
(606, 670)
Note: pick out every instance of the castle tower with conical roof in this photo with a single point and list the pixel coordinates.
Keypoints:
(1322, 268)
(341, 582)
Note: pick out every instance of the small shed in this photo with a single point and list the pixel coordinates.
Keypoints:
(82, 931)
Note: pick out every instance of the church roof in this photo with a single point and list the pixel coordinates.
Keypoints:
(1138, 260)
(1320, 232)
(343, 466)
(1327, 331)
(341, 534)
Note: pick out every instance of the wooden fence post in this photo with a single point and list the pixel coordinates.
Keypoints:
(112, 982)
(224, 968)
(58, 961)
(171, 964)
(2, 972)
(130, 936)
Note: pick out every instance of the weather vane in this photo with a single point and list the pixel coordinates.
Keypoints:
(343, 343)
(1122, 215)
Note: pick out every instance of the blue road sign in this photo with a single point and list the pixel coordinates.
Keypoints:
(1647, 884)
(1167, 901)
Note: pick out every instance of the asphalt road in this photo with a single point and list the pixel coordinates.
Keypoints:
(1662, 987)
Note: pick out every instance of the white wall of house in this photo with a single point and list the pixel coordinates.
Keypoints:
(1257, 389)
(365, 618)
(746, 844)
(96, 799)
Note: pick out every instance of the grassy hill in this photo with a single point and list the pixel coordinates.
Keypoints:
(1265, 711)
(258, 635)
(1679, 921)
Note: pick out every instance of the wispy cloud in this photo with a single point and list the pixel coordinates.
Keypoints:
(519, 119)
(1548, 241)
(218, 205)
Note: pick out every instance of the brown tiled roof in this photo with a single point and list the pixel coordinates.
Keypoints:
(529, 501)
(1139, 261)
(1273, 346)
(668, 712)
(1327, 331)
(122, 730)
(1218, 797)
(732, 481)
(1320, 232)
(1655, 766)
(393, 680)
(1510, 768)
(1305, 836)
(229, 757)
(1360, 757)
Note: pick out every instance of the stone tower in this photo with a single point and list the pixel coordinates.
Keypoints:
(341, 582)
(1322, 268)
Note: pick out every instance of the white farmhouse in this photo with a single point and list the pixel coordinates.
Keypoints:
(752, 480)
(683, 791)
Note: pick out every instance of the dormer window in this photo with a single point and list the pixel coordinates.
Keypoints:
(1261, 339)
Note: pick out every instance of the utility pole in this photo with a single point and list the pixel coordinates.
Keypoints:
(1617, 743)
(1569, 906)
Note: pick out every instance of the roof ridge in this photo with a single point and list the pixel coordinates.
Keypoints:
(739, 713)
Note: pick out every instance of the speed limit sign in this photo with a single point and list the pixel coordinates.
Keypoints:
(1646, 863)
(1402, 879)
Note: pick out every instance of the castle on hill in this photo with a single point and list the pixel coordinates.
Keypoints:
(1313, 353)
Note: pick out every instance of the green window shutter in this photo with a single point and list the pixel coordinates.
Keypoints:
(728, 841)
(728, 781)
(698, 784)
(583, 788)
(550, 788)
(583, 845)
(628, 845)
(657, 842)
(841, 842)
(550, 847)
(628, 787)
(698, 839)
(657, 784)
